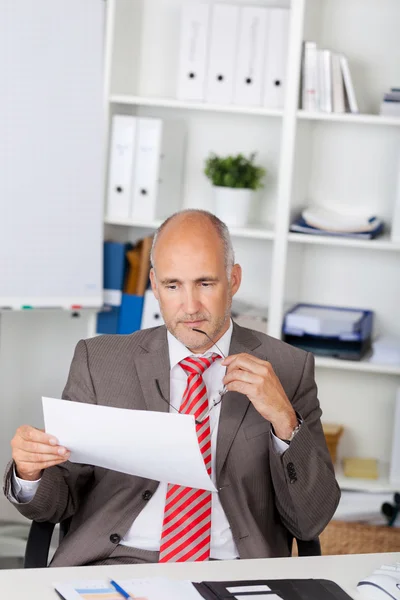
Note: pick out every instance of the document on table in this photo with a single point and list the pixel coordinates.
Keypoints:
(154, 445)
(155, 588)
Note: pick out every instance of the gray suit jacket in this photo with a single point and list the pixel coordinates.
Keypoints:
(266, 497)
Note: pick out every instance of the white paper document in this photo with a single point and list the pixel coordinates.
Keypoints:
(155, 445)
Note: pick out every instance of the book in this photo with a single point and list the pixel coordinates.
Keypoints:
(348, 84)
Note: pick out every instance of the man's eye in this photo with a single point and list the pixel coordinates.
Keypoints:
(206, 284)
(171, 287)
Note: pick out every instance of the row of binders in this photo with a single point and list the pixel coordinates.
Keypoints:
(233, 54)
(145, 168)
(128, 303)
(327, 85)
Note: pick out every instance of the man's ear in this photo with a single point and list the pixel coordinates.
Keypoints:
(236, 278)
(153, 282)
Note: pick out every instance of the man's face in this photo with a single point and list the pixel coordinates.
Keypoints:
(191, 285)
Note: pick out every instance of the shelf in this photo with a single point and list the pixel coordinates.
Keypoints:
(382, 243)
(197, 106)
(350, 365)
(382, 484)
(349, 118)
(251, 232)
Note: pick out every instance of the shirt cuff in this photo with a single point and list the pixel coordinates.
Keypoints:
(279, 445)
(22, 491)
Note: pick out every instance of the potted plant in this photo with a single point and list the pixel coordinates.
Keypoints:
(235, 179)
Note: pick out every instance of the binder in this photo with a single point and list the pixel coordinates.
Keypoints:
(121, 159)
(310, 91)
(146, 169)
(222, 55)
(193, 51)
(151, 316)
(130, 314)
(285, 589)
(337, 85)
(250, 56)
(395, 234)
(277, 46)
(114, 270)
(325, 80)
(348, 84)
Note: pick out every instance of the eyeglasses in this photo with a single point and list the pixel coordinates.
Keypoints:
(221, 393)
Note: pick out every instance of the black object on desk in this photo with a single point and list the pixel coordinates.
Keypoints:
(286, 589)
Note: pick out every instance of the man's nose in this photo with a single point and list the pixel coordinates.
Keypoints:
(191, 303)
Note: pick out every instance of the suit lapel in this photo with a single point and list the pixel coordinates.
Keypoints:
(234, 405)
(151, 365)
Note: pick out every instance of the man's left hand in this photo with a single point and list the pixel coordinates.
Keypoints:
(256, 379)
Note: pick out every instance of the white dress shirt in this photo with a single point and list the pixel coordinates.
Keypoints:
(145, 532)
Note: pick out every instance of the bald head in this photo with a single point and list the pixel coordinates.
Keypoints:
(190, 225)
(193, 277)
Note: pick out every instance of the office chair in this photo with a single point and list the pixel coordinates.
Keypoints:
(40, 534)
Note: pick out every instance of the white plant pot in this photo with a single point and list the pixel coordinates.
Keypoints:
(232, 205)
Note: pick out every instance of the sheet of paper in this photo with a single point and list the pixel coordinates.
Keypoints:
(154, 445)
(243, 589)
(156, 588)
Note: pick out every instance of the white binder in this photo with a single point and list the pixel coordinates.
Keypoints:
(146, 171)
(151, 315)
(277, 46)
(222, 55)
(250, 56)
(310, 91)
(337, 85)
(193, 51)
(121, 161)
(395, 234)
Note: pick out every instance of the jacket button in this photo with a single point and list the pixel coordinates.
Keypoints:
(115, 538)
(147, 495)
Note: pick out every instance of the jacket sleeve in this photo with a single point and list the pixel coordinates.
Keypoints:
(62, 486)
(306, 490)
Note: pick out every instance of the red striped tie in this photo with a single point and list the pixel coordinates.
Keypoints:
(186, 531)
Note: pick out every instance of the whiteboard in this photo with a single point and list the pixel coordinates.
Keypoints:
(52, 140)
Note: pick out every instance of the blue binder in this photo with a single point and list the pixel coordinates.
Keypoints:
(114, 270)
(130, 313)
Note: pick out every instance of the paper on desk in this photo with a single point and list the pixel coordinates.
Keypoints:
(155, 445)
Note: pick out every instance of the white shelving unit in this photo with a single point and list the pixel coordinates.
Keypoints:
(309, 157)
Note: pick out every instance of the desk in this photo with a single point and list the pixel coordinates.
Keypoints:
(36, 584)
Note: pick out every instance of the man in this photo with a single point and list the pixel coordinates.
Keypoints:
(258, 426)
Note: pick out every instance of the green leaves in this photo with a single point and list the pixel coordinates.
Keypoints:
(234, 171)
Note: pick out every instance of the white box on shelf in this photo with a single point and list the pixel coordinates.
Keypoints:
(151, 315)
(250, 56)
(222, 55)
(395, 233)
(121, 164)
(394, 475)
(193, 51)
(277, 46)
(146, 170)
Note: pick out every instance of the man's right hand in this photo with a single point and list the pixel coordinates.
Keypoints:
(34, 450)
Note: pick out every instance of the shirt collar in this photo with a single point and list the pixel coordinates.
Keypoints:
(177, 351)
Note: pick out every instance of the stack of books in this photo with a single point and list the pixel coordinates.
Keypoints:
(340, 221)
(390, 105)
(327, 84)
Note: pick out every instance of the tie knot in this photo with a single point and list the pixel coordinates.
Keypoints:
(196, 365)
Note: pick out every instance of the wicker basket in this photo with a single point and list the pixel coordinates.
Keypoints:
(332, 434)
(342, 537)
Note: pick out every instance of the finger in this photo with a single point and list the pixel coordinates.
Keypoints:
(31, 434)
(241, 375)
(39, 459)
(249, 363)
(37, 448)
(240, 386)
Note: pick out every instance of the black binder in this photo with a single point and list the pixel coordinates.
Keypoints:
(287, 589)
